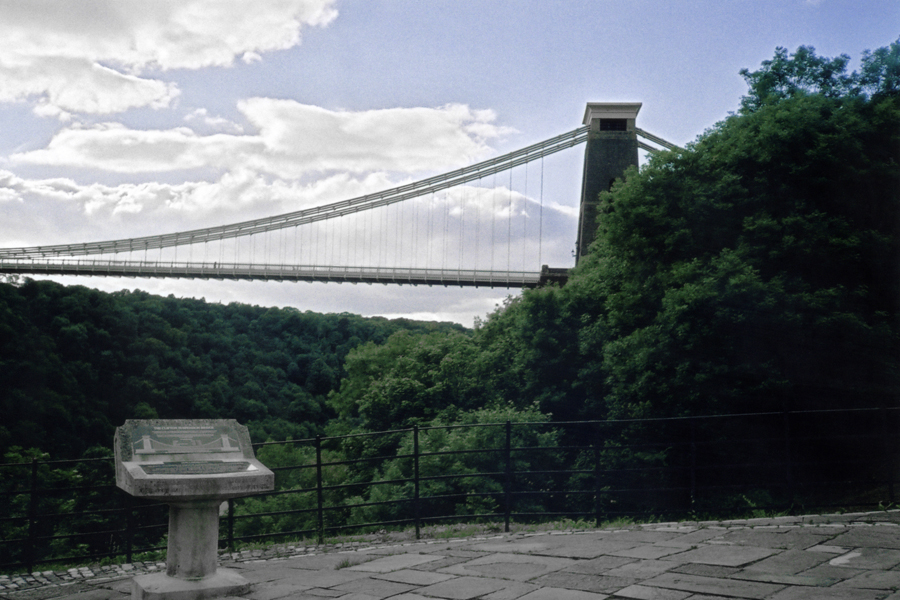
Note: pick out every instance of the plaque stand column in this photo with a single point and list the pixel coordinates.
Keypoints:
(191, 558)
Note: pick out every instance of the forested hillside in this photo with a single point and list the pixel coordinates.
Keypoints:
(76, 362)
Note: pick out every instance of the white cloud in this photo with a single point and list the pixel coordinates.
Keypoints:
(304, 138)
(251, 57)
(110, 211)
(113, 147)
(293, 140)
(64, 85)
(88, 57)
(201, 115)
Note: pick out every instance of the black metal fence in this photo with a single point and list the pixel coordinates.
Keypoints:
(691, 467)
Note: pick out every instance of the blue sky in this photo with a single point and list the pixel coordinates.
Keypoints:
(125, 118)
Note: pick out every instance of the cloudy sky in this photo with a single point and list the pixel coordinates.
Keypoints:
(123, 118)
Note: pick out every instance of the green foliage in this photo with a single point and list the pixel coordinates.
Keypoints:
(803, 73)
(297, 511)
(480, 451)
(76, 362)
(759, 265)
(880, 72)
(409, 379)
(60, 512)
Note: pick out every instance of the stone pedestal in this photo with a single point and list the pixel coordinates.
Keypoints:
(193, 539)
(159, 586)
(192, 466)
(191, 559)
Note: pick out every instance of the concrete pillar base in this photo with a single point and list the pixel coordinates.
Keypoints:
(159, 586)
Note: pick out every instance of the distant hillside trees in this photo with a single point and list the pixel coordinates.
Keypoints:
(76, 362)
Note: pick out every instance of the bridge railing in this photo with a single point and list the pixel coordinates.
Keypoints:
(592, 471)
(263, 271)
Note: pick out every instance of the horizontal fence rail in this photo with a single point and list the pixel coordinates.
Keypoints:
(71, 511)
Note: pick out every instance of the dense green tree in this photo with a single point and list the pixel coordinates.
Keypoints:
(803, 73)
(409, 379)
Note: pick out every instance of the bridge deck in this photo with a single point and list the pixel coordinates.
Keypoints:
(273, 272)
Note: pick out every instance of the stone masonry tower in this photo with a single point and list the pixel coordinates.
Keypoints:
(612, 147)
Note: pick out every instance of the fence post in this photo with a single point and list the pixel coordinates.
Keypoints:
(788, 461)
(693, 461)
(231, 524)
(508, 485)
(129, 524)
(416, 507)
(32, 516)
(319, 494)
(597, 503)
(888, 450)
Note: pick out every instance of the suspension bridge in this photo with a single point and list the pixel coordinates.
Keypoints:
(455, 229)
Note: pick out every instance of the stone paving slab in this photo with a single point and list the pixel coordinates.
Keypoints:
(377, 588)
(463, 588)
(878, 580)
(561, 594)
(651, 551)
(600, 584)
(710, 585)
(828, 572)
(724, 556)
(705, 570)
(872, 536)
(514, 590)
(821, 557)
(517, 567)
(868, 558)
(642, 592)
(789, 562)
(801, 593)
(394, 563)
(414, 577)
(642, 569)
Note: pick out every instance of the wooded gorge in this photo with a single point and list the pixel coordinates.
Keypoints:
(75, 363)
(758, 269)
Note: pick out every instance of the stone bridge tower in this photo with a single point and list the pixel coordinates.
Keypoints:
(612, 147)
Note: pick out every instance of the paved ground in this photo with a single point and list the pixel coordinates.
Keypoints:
(829, 557)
